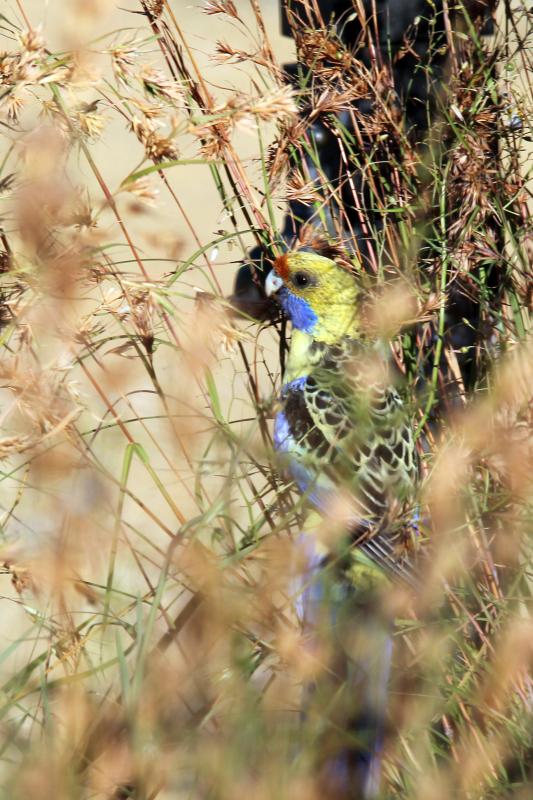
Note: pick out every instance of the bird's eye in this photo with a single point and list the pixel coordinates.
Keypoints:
(301, 279)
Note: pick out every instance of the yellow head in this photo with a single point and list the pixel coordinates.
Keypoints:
(318, 296)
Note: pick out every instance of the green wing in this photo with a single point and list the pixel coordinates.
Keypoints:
(347, 430)
(367, 441)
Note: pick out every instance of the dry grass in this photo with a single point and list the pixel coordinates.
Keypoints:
(149, 636)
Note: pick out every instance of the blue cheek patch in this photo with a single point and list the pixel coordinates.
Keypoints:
(298, 310)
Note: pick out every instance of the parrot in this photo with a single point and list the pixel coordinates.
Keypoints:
(341, 422)
(343, 436)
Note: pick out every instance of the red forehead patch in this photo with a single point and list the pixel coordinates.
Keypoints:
(281, 266)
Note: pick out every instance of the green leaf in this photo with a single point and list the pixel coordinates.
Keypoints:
(213, 396)
(178, 162)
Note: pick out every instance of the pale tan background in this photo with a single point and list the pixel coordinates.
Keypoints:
(63, 20)
(164, 241)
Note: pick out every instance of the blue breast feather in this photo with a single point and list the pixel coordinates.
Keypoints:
(298, 310)
(306, 479)
(284, 441)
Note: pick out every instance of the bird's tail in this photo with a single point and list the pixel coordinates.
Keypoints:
(346, 705)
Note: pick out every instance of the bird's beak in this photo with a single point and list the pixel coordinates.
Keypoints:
(273, 283)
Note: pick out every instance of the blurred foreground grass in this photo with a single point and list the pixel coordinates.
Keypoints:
(149, 642)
